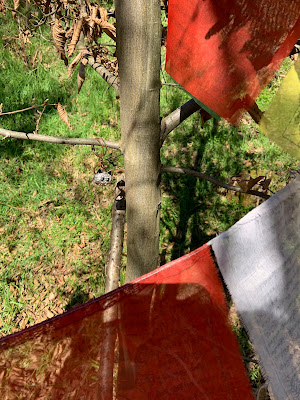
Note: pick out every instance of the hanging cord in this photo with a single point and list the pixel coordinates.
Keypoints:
(101, 176)
(99, 167)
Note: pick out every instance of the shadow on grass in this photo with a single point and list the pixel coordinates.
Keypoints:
(79, 296)
(21, 88)
(201, 210)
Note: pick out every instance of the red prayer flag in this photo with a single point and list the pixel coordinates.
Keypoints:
(164, 336)
(224, 52)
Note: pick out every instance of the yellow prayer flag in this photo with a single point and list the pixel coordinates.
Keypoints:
(281, 121)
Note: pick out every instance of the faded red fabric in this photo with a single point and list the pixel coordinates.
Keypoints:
(223, 52)
(164, 336)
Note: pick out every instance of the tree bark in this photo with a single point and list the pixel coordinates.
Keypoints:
(138, 52)
(112, 274)
(57, 139)
(169, 123)
(103, 72)
(110, 315)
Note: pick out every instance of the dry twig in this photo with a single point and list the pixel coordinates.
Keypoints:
(185, 171)
(40, 116)
(26, 109)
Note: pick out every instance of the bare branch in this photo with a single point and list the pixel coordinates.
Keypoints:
(13, 10)
(169, 123)
(116, 238)
(39, 118)
(171, 84)
(45, 16)
(26, 109)
(58, 140)
(104, 73)
(110, 315)
(255, 113)
(177, 170)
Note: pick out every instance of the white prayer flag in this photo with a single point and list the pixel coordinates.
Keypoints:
(259, 258)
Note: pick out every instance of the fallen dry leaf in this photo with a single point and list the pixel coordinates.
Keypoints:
(56, 173)
(265, 184)
(52, 296)
(49, 314)
(82, 243)
(253, 181)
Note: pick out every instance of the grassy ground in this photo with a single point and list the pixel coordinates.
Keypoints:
(55, 224)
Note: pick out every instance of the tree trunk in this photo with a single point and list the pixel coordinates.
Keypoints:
(138, 51)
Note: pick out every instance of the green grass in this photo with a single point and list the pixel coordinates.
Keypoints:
(55, 224)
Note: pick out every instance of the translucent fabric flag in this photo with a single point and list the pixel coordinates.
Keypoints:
(281, 121)
(259, 258)
(163, 337)
(223, 52)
